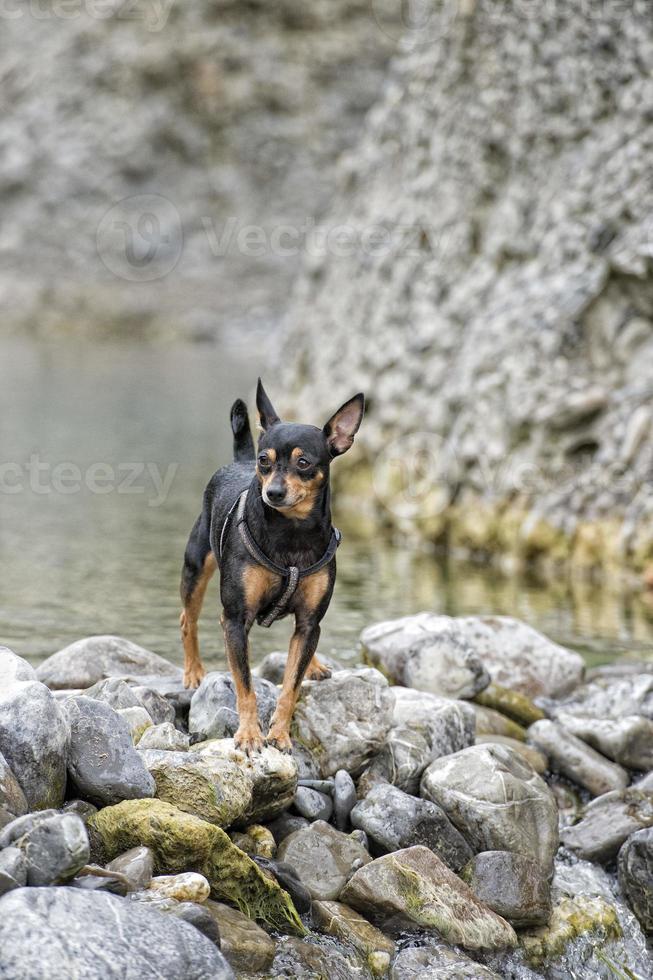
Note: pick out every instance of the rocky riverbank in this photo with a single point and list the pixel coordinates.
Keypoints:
(469, 803)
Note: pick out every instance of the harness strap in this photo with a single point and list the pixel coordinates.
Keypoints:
(292, 574)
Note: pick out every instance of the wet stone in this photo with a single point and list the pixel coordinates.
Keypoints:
(607, 822)
(137, 865)
(323, 858)
(513, 885)
(575, 759)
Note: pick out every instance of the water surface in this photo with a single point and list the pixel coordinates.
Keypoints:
(101, 554)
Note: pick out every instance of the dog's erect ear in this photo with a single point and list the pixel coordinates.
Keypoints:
(266, 413)
(341, 428)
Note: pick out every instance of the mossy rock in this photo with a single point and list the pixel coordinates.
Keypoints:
(517, 706)
(571, 918)
(489, 721)
(182, 842)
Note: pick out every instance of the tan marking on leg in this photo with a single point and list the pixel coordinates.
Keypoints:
(193, 668)
(248, 737)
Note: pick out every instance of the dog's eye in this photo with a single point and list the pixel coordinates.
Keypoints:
(303, 463)
(264, 460)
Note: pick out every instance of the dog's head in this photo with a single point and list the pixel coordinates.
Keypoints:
(293, 460)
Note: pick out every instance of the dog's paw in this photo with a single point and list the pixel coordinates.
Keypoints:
(249, 739)
(317, 671)
(193, 676)
(279, 740)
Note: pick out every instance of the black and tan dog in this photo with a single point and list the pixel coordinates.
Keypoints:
(266, 524)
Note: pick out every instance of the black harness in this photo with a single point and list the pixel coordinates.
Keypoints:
(290, 576)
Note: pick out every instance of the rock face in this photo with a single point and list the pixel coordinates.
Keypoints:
(607, 822)
(213, 707)
(343, 721)
(103, 765)
(512, 885)
(515, 655)
(508, 341)
(323, 858)
(394, 820)
(100, 929)
(34, 739)
(496, 801)
(575, 759)
(88, 661)
(636, 875)
(414, 888)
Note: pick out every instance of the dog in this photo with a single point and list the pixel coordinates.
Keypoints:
(266, 525)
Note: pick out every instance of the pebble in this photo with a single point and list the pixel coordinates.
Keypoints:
(344, 798)
(137, 865)
(187, 887)
(312, 805)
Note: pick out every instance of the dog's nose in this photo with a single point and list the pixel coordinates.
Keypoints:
(275, 494)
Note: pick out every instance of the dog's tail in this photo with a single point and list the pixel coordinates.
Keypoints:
(243, 442)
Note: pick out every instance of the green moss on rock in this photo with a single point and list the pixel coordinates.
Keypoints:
(570, 919)
(183, 842)
(517, 706)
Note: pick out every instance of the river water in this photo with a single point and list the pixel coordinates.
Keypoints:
(104, 453)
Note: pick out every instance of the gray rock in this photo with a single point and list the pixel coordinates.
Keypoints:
(200, 918)
(628, 740)
(309, 958)
(611, 697)
(344, 798)
(513, 885)
(12, 798)
(94, 658)
(164, 736)
(529, 753)
(13, 869)
(344, 720)
(515, 655)
(342, 922)
(361, 837)
(325, 786)
(244, 944)
(607, 822)
(437, 962)
(13, 668)
(574, 758)
(103, 765)
(413, 888)
(273, 666)
(496, 801)
(34, 740)
(82, 808)
(159, 708)
(137, 720)
(323, 858)
(312, 805)
(286, 876)
(137, 865)
(272, 776)
(138, 942)
(55, 849)
(213, 706)
(116, 692)
(393, 820)
(90, 880)
(427, 659)
(636, 875)
(286, 824)
(21, 825)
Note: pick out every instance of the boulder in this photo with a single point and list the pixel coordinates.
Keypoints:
(611, 696)
(343, 721)
(576, 759)
(349, 926)
(414, 888)
(496, 801)
(103, 765)
(87, 661)
(213, 706)
(55, 848)
(418, 652)
(34, 739)
(516, 656)
(116, 692)
(323, 858)
(12, 798)
(244, 944)
(13, 869)
(529, 753)
(136, 865)
(607, 822)
(164, 737)
(312, 805)
(102, 933)
(437, 962)
(211, 787)
(180, 841)
(635, 866)
(513, 885)
(628, 740)
(394, 820)
(137, 720)
(272, 776)
(13, 668)
(186, 887)
(159, 708)
(570, 919)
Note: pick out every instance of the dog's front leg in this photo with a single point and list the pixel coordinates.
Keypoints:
(302, 647)
(249, 736)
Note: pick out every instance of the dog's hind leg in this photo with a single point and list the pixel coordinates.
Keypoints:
(199, 566)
